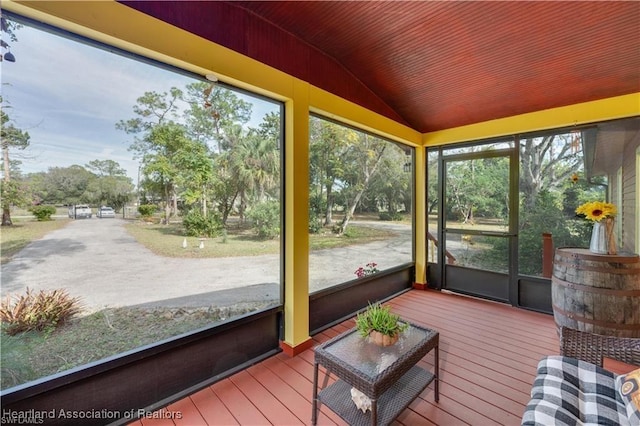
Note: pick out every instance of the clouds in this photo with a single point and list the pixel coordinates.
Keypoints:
(69, 96)
(72, 74)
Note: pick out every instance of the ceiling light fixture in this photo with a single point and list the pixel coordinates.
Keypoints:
(9, 57)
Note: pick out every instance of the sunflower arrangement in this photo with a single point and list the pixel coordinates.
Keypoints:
(597, 210)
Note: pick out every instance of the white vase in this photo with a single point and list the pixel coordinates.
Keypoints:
(602, 238)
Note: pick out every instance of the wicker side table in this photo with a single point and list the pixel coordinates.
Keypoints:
(387, 375)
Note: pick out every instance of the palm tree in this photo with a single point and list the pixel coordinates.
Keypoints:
(254, 163)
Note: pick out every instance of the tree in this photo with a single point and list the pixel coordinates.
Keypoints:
(196, 176)
(36, 185)
(212, 110)
(364, 159)
(106, 168)
(546, 162)
(257, 164)
(111, 185)
(215, 118)
(329, 143)
(152, 110)
(8, 27)
(160, 151)
(391, 187)
(270, 128)
(239, 180)
(67, 185)
(224, 189)
(174, 155)
(548, 197)
(10, 138)
(477, 187)
(114, 191)
(433, 198)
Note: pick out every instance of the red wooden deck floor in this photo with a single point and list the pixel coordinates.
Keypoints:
(488, 355)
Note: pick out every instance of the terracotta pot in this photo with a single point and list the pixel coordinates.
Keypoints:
(382, 339)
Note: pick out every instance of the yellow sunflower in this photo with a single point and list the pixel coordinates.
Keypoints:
(597, 210)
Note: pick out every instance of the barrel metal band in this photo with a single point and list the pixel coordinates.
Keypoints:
(618, 271)
(613, 325)
(609, 258)
(596, 290)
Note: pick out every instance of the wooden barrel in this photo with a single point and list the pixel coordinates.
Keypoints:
(596, 293)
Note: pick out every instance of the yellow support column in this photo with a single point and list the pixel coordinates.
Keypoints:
(420, 280)
(296, 256)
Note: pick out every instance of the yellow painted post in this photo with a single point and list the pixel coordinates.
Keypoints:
(420, 208)
(296, 289)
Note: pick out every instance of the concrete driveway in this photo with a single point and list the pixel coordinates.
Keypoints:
(97, 260)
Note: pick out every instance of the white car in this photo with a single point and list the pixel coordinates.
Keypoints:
(80, 211)
(106, 212)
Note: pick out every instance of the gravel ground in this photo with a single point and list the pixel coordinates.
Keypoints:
(97, 260)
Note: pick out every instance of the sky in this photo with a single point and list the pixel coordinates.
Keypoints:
(68, 96)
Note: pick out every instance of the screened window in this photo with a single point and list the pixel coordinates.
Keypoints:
(361, 201)
(192, 169)
(552, 185)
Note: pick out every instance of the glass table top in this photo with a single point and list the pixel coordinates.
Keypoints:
(370, 359)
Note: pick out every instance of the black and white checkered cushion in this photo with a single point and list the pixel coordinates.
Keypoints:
(570, 392)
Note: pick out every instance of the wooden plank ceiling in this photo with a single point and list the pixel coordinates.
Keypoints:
(433, 65)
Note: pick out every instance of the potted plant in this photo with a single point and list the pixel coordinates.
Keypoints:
(379, 324)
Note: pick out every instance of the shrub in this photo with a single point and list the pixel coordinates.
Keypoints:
(41, 311)
(266, 219)
(147, 210)
(317, 208)
(196, 225)
(315, 224)
(394, 216)
(43, 213)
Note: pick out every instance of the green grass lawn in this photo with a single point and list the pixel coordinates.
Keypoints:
(167, 240)
(32, 355)
(16, 237)
(355, 234)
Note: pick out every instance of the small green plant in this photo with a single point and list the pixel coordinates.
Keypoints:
(393, 216)
(43, 213)
(41, 311)
(379, 318)
(315, 225)
(147, 210)
(197, 225)
(266, 219)
(317, 207)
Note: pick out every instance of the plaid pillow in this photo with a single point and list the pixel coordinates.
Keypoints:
(629, 387)
(571, 392)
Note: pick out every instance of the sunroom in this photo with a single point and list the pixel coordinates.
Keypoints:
(490, 122)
